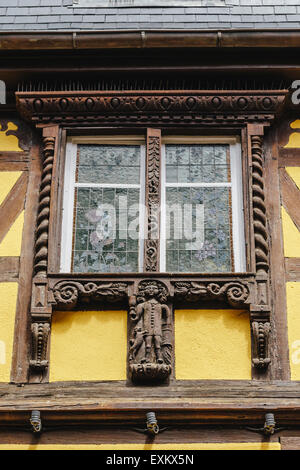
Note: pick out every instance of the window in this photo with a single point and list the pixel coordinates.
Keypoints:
(105, 206)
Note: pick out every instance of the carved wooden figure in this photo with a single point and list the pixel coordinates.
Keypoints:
(150, 341)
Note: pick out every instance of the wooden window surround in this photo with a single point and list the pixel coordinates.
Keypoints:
(60, 114)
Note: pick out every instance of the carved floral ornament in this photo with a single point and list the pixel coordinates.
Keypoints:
(151, 298)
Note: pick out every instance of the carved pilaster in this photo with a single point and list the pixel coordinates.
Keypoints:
(261, 306)
(259, 207)
(153, 201)
(260, 333)
(41, 244)
(151, 333)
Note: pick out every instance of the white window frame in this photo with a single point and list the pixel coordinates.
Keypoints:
(236, 185)
(70, 185)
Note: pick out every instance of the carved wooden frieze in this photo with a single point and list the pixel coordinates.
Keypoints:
(236, 293)
(66, 294)
(150, 341)
(151, 107)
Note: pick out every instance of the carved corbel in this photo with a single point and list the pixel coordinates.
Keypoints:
(151, 333)
(39, 335)
(260, 333)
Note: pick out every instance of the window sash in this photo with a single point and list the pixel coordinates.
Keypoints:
(70, 188)
(235, 185)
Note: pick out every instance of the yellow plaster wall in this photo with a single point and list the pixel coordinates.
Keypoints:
(116, 447)
(11, 243)
(212, 344)
(8, 300)
(293, 302)
(294, 138)
(291, 236)
(7, 181)
(9, 143)
(88, 346)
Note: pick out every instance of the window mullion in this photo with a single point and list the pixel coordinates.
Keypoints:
(152, 201)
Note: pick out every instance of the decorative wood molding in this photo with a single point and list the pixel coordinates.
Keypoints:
(41, 244)
(86, 108)
(261, 331)
(236, 293)
(250, 111)
(153, 175)
(261, 308)
(40, 334)
(66, 294)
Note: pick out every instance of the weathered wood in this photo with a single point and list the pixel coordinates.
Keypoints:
(290, 443)
(290, 197)
(9, 268)
(122, 435)
(237, 403)
(292, 268)
(20, 358)
(279, 347)
(12, 205)
(288, 157)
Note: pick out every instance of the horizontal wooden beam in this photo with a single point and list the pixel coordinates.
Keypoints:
(195, 402)
(292, 267)
(149, 39)
(289, 157)
(9, 268)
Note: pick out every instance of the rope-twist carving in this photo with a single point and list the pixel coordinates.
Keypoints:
(41, 244)
(259, 208)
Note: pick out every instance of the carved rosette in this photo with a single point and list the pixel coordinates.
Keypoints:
(67, 293)
(151, 330)
(39, 334)
(153, 204)
(261, 331)
(236, 293)
(41, 244)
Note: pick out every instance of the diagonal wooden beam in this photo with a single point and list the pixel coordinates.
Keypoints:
(290, 197)
(12, 205)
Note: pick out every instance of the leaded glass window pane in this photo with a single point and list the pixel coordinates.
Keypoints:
(106, 209)
(198, 208)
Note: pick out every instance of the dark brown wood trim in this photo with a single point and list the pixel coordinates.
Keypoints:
(90, 435)
(237, 403)
(9, 268)
(13, 205)
(6, 156)
(279, 347)
(21, 349)
(14, 166)
(54, 238)
(290, 197)
(292, 268)
(288, 157)
(152, 195)
(290, 443)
